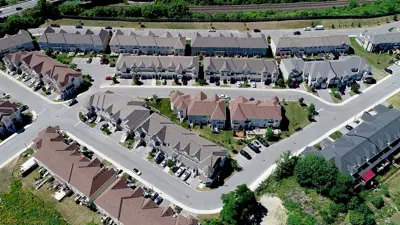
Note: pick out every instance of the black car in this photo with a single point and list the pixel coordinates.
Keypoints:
(253, 148)
(217, 83)
(159, 158)
(72, 102)
(18, 8)
(263, 142)
(78, 26)
(256, 30)
(297, 33)
(108, 28)
(24, 107)
(245, 154)
(389, 71)
(348, 127)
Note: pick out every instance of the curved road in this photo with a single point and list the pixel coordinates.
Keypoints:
(179, 193)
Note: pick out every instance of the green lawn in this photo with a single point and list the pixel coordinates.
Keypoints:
(335, 100)
(106, 163)
(377, 61)
(128, 143)
(395, 101)
(163, 105)
(318, 147)
(295, 117)
(335, 135)
(63, 58)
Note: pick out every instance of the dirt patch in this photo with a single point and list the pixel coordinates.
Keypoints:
(276, 211)
(6, 175)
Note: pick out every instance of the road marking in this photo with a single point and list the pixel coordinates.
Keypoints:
(320, 110)
(41, 112)
(77, 123)
(66, 106)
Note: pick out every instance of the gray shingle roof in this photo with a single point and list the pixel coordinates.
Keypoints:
(237, 65)
(10, 41)
(317, 41)
(360, 145)
(229, 42)
(74, 36)
(382, 38)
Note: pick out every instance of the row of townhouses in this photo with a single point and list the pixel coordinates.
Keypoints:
(367, 149)
(133, 118)
(376, 42)
(100, 184)
(244, 113)
(10, 117)
(41, 68)
(14, 43)
(326, 74)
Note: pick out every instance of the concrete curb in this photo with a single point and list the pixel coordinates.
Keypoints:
(16, 154)
(127, 170)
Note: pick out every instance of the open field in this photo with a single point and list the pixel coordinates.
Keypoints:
(289, 24)
(395, 101)
(296, 117)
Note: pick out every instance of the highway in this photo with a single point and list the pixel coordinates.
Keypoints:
(12, 9)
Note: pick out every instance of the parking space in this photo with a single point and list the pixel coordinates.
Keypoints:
(325, 95)
(242, 160)
(325, 142)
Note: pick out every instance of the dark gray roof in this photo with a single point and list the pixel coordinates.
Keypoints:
(75, 36)
(382, 38)
(229, 42)
(317, 41)
(238, 64)
(10, 41)
(368, 139)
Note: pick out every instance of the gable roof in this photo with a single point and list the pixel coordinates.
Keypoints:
(229, 42)
(7, 108)
(237, 65)
(63, 160)
(74, 36)
(12, 41)
(242, 109)
(382, 38)
(313, 41)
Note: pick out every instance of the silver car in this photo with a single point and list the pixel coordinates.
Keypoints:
(185, 175)
(179, 172)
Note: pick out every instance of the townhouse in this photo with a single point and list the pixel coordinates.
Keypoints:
(367, 149)
(252, 114)
(74, 39)
(81, 175)
(10, 117)
(204, 157)
(326, 74)
(158, 67)
(128, 42)
(121, 112)
(21, 41)
(56, 76)
(190, 34)
(376, 42)
(127, 206)
(229, 46)
(240, 69)
(297, 45)
(200, 109)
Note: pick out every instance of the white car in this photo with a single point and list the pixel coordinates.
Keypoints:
(185, 175)
(222, 96)
(253, 85)
(179, 172)
(136, 171)
(163, 163)
(239, 84)
(307, 29)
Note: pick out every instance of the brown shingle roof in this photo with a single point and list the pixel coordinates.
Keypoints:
(68, 164)
(241, 109)
(7, 108)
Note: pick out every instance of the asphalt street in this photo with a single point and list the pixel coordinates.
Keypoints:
(66, 117)
(12, 9)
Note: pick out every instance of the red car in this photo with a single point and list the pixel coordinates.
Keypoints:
(109, 78)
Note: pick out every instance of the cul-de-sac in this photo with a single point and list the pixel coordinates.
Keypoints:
(176, 112)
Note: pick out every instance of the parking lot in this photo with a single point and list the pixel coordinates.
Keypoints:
(96, 70)
(242, 161)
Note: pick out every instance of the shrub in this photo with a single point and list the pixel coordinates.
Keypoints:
(356, 218)
(294, 219)
(291, 205)
(378, 202)
(335, 209)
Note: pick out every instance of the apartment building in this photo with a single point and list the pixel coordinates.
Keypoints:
(125, 41)
(297, 45)
(21, 41)
(369, 148)
(127, 206)
(74, 39)
(376, 42)
(326, 74)
(121, 112)
(200, 109)
(81, 175)
(158, 67)
(246, 114)
(240, 69)
(56, 76)
(10, 117)
(204, 157)
(229, 46)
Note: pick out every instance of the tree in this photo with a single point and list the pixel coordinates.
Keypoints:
(335, 209)
(395, 17)
(378, 202)
(280, 82)
(356, 218)
(285, 165)
(289, 82)
(341, 192)
(311, 109)
(294, 219)
(355, 87)
(353, 4)
(234, 164)
(269, 134)
(315, 172)
(353, 203)
(154, 97)
(213, 221)
(170, 163)
(390, 106)
(301, 101)
(239, 205)
(73, 65)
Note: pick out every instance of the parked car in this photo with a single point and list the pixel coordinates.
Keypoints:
(78, 26)
(136, 171)
(297, 33)
(163, 163)
(239, 84)
(92, 119)
(253, 85)
(307, 29)
(218, 83)
(24, 107)
(179, 172)
(108, 28)
(109, 78)
(89, 60)
(263, 142)
(256, 143)
(54, 25)
(72, 102)
(159, 158)
(389, 71)
(348, 127)
(185, 175)
(256, 30)
(18, 8)
(245, 154)
(153, 195)
(158, 200)
(253, 148)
